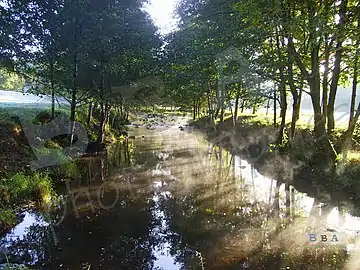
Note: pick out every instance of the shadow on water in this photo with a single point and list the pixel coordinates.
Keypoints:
(171, 201)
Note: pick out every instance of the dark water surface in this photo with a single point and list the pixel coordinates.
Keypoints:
(171, 200)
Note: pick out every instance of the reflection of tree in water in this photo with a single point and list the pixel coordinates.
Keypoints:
(33, 247)
(219, 218)
(215, 209)
(106, 239)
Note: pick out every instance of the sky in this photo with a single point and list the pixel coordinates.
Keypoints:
(162, 13)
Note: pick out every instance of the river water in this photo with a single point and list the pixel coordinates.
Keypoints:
(170, 200)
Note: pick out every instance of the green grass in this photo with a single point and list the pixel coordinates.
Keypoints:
(7, 218)
(11, 114)
(21, 187)
(304, 122)
(55, 153)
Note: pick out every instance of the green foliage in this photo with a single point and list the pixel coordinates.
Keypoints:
(21, 188)
(83, 49)
(349, 179)
(7, 218)
(68, 170)
(11, 81)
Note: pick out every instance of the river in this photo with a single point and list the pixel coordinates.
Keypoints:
(171, 200)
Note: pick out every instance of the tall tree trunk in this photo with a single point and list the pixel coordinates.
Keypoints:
(275, 99)
(113, 120)
(100, 138)
(282, 113)
(222, 111)
(88, 119)
(301, 90)
(337, 67)
(72, 112)
(52, 87)
(294, 92)
(243, 106)
(210, 112)
(294, 119)
(254, 109)
(354, 88)
(282, 91)
(297, 108)
(107, 114)
(295, 113)
(325, 82)
(198, 108)
(75, 86)
(319, 123)
(73, 103)
(237, 98)
(194, 109)
(355, 78)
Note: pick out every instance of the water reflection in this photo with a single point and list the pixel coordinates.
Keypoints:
(171, 200)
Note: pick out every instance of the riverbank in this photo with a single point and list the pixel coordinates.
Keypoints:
(298, 164)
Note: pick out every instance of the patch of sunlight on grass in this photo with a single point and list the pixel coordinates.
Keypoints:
(305, 120)
(353, 156)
